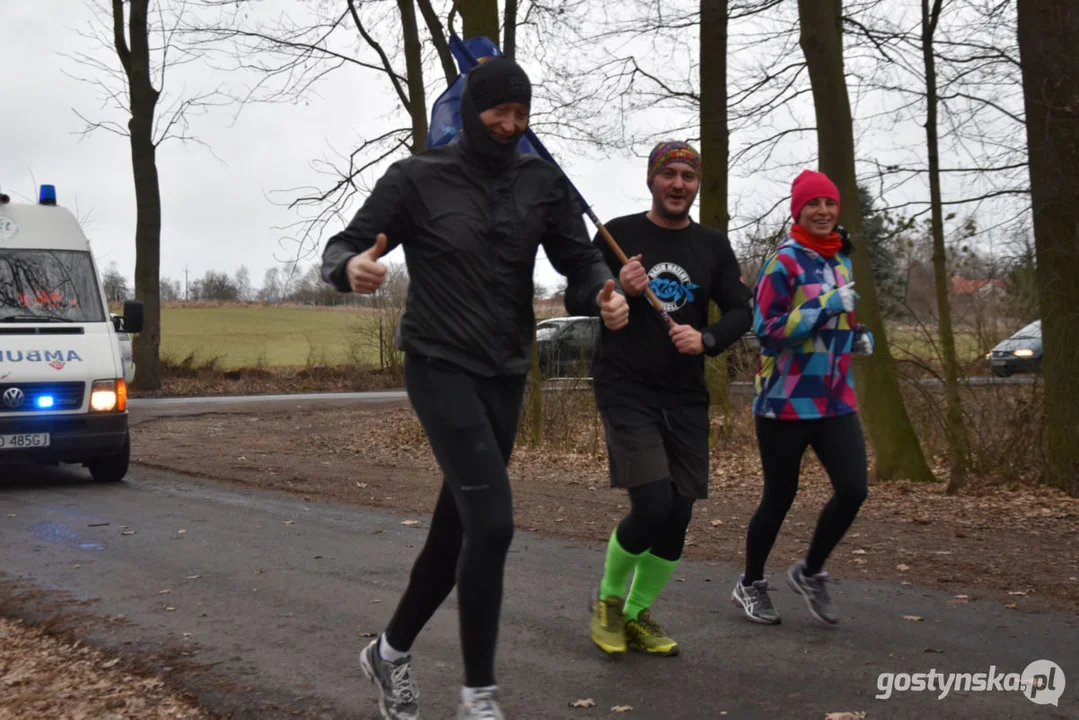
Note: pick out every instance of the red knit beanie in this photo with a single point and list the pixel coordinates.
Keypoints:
(808, 186)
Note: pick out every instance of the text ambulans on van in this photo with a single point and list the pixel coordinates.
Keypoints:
(63, 390)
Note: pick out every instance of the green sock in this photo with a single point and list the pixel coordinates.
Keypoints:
(616, 569)
(651, 576)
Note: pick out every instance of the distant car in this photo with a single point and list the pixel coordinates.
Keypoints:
(565, 345)
(566, 342)
(1022, 352)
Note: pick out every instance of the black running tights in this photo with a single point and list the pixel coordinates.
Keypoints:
(840, 446)
(471, 423)
(657, 520)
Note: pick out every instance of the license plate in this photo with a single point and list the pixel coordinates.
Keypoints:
(24, 441)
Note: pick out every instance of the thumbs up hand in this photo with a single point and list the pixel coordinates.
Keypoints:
(613, 307)
(365, 272)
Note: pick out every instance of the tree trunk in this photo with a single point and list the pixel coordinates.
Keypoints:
(537, 394)
(897, 451)
(479, 17)
(136, 62)
(1048, 38)
(958, 444)
(414, 71)
(509, 30)
(714, 154)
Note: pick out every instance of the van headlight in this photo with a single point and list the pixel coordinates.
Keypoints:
(1025, 352)
(108, 396)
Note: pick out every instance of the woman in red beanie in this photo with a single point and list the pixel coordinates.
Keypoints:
(804, 318)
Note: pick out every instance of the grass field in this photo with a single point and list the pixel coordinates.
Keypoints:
(269, 336)
(292, 336)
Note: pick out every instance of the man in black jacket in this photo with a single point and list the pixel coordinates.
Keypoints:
(471, 216)
(651, 392)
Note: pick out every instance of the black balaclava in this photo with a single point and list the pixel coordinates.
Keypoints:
(491, 83)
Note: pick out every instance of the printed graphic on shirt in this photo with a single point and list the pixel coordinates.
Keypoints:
(671, 284)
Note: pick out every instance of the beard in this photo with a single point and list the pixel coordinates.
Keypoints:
(666, 212)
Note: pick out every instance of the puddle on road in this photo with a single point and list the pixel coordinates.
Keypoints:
(62, 535)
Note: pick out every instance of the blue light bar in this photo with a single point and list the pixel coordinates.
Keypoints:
(44, 402)
(48, 195)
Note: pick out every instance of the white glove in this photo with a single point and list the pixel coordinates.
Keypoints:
(847, 296)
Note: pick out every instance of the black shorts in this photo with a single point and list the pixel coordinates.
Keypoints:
(646, 444)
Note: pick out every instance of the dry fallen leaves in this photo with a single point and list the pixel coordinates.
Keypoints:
(71, 680)
(621, 708)
(902, 567)
(859, 551)
(845, 716)
(585, 703)
(410, 522)
(716, 523)
(915, 618)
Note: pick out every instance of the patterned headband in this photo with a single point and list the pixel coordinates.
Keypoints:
(674, 151)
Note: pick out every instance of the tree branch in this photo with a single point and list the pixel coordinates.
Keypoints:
(438, 39)
(382, 54)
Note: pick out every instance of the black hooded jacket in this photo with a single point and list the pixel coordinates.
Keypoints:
(471, 216)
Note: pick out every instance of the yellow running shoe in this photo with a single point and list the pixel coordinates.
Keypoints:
(645, 635)
(608, 627)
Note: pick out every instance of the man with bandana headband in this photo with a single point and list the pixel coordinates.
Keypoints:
(470, 216)
(651, 392)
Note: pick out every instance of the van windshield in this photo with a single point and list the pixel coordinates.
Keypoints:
(49, 284)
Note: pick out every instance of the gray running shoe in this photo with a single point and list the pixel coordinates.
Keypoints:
(815, 592)
(754, 601)
(397, 692)
(484, 706)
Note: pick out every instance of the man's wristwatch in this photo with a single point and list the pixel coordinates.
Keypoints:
(708, 340)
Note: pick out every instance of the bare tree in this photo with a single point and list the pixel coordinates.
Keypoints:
(715, 146)
(170, 290)
(1048, 36)
(958, 444)
(115, 284)
(136, 89)
(898, 453)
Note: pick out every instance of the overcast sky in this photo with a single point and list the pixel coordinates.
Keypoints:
(217, 208)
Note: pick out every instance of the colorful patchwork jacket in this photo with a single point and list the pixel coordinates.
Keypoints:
(804, 369)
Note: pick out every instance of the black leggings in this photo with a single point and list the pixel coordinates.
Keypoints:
(658, 519)
(840, 446)
(471, 423)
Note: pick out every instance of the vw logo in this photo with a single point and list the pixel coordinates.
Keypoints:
(14, 398)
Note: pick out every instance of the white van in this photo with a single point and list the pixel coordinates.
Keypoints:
(63, 384)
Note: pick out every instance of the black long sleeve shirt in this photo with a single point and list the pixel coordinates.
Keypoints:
(471, 231)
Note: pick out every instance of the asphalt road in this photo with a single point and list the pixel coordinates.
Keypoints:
(268, 596)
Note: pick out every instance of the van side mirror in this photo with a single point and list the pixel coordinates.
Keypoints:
(132, 316)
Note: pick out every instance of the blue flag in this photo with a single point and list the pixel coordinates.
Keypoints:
(446, 112)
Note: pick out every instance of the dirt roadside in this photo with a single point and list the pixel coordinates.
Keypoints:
(1014, 546)
(44, 675)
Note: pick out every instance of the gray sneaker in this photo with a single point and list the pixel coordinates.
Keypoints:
(813, 589)
(754, 601)
(484, 706)
(397, 692)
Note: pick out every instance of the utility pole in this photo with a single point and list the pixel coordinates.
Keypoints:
(185, 282)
